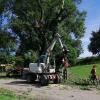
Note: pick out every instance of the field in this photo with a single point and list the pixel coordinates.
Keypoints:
(7, 95)
(10, 94)
(82, 71)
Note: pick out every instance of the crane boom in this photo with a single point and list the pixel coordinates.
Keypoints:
(57, 37)
(44, 70)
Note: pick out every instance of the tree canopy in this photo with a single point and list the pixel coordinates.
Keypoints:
(7, 42)
(35, 22)
(94, 45)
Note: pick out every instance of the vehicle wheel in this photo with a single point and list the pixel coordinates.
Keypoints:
(7, 75)
(30, 78)
(34, 77)
(44, 81)
(57, 79)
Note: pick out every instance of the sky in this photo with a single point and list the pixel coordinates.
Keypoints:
(92, 22)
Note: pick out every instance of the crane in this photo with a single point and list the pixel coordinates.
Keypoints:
(41, 69)
(57, 38)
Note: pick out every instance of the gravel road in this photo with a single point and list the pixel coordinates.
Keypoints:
(51, 92)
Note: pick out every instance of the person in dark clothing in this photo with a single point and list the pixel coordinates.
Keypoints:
(65, 65)
(93, 73)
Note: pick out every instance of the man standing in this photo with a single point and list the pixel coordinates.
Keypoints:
(93, 73)
(65, 64)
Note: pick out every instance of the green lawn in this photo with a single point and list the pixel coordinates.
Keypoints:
(82, 71)
(2, 73)
(7, 95)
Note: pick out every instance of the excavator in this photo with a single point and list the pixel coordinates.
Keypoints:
(43, 70)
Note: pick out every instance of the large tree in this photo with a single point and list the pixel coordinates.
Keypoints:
(37, 21)
(94, 45)
(7, 40)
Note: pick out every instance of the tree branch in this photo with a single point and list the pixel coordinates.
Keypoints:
(41, 10)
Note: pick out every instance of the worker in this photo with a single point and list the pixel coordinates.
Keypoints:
(65, 66)
(93, 73)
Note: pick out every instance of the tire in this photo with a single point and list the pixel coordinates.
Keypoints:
(7, 75)
(44, 81)
(34, 77)
(31, 78)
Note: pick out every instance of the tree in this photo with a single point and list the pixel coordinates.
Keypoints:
(7, 39)
(37, 21)
(94, 45)
(7, 46)
(7, 42)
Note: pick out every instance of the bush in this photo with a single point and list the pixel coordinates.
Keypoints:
(88, 60)
(30, 56)
(19, 61)
(25, 59)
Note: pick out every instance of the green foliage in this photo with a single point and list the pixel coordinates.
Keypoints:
(25, 59)
(82, 71)
(88, 60)
(7, 42)
(80, 75)
(4, 58)
(19, 61)
(72, 56)
(7, 95)
(10, 59)
(35, 22)
(94, 45)
(30, 56)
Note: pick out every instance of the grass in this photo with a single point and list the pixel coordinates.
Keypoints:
(2, 73)
(7, 95)
(79, 75)
(82, 71)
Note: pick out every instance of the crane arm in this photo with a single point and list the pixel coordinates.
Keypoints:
(50, 48)
(52, 45)
(56, 38)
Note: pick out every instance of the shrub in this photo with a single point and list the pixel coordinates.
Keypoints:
(19, 61)
(88, 60)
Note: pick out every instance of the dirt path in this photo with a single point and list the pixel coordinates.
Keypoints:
(51, 92)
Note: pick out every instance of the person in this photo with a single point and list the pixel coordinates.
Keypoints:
(65, 65)
(93, 73)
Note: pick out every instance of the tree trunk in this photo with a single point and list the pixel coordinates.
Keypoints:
(44, 44)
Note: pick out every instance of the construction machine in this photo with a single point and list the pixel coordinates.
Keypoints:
(43, 70)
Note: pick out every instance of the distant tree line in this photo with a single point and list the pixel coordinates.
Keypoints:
(88, 60)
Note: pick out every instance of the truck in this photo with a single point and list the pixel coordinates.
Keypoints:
(43, 70)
